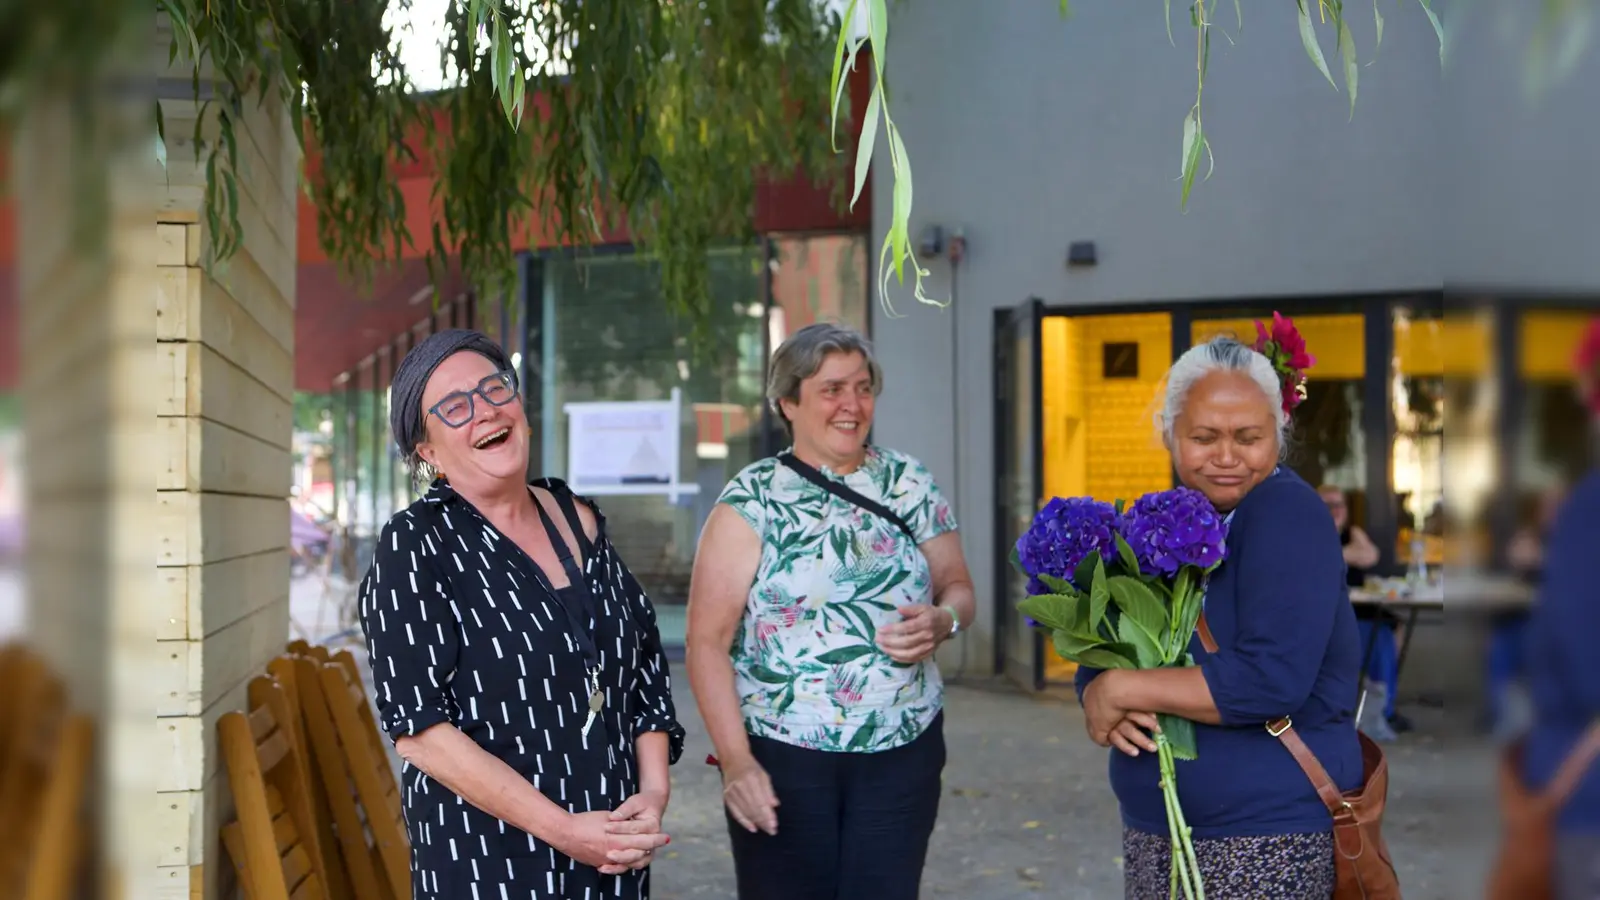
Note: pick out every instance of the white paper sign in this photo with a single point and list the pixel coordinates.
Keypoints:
(625, 448)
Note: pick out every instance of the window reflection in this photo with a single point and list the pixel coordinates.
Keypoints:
(1553, 445)
(1417, 406)
(611, 338)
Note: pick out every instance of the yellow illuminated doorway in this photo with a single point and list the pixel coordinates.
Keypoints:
(1099, 376)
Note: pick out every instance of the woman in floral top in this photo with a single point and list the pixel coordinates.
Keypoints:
(813, 620)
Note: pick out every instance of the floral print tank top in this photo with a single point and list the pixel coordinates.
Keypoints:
(805, 658)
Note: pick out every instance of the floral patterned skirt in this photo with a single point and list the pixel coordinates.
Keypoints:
(1283, 867)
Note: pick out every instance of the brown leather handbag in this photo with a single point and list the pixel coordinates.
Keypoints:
(1526, 865)
(1361, 856)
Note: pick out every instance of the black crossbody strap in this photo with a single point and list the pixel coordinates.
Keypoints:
(846, 494)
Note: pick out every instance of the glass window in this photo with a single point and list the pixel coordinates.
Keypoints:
(815, 278)
(818, 278)
(1552, 425)
(608, 336)
(1417, 406)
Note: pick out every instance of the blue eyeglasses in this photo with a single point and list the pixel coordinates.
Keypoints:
(459, 408)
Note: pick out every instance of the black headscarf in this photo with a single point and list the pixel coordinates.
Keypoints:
(411, 376)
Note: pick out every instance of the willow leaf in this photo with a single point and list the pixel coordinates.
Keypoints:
(1352, 70)
(1308, 37)
(869, 134)
(836, 83)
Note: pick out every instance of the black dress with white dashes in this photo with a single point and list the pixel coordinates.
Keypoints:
(462, 627)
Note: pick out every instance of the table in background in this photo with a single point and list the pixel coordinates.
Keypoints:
(1473, 593)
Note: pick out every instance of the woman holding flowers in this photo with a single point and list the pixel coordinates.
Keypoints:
(825, 579)
(1286, 645)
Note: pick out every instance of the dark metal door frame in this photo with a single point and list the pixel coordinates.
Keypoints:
(1007, 322)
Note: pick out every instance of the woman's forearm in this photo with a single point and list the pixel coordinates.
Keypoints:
(654, 750)
(711, 677)
(960, 599)
(479, 777)
(1176, 692)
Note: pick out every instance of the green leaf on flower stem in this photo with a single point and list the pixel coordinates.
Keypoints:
(1180, 735)
(1071, 645)
(1109, 656)
(1053, 611)
(1130, 562)
(1118, 507)
(1059, 586)
(1140, 605)
(1099, 595)
(1146, 651)
(1084, 574)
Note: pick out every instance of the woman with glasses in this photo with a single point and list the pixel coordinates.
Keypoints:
(516, 662)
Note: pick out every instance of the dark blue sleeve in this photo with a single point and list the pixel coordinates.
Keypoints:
(1567, 616)
(1290, 588)
(411, 635)
(1082, 679)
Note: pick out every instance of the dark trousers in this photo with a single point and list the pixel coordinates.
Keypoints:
(851, 826)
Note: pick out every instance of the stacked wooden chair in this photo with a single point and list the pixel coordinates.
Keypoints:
(46, 750)
(317, 804)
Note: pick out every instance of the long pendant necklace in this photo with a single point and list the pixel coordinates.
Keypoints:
(597, 699)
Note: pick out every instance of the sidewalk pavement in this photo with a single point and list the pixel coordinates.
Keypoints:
(1027, 811)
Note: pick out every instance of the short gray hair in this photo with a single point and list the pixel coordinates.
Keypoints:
(1221, 354)
(799, 358)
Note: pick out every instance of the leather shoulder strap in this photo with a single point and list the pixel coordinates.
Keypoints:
(1574, 767)
(1207, 642)
(1326, 789)
(845, 493)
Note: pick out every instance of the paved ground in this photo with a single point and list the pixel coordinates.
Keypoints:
(1027, 812)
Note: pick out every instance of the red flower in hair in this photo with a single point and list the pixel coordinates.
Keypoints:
(1587, 363)
(1286, 349)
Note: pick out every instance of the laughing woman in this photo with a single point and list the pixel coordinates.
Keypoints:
(516, 661)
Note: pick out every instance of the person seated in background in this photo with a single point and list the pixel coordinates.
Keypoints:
(1360, 556)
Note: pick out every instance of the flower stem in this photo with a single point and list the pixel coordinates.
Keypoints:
(1185, 866)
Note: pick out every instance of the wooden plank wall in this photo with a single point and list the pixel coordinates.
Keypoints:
(225, 360)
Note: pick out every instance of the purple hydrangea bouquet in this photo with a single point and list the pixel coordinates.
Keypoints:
(1122, 588)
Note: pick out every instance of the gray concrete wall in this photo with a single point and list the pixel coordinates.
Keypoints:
(1030, 132)
(1522, 204)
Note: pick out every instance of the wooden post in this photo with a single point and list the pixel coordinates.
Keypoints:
(103, 231)
(225, 351)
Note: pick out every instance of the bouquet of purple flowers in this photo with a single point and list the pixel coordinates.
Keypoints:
(1122, 588)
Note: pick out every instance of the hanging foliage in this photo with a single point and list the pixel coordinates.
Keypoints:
(563, 120)
(656, 116)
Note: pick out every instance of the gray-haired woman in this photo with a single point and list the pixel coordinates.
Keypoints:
(824, 581)
(516, 661)
(1285, 651)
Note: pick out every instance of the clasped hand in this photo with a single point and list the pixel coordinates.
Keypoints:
(623, 839)
(916, 635)
(1110, 724)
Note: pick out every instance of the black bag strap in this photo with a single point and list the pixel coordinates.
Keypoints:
(846, 494)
